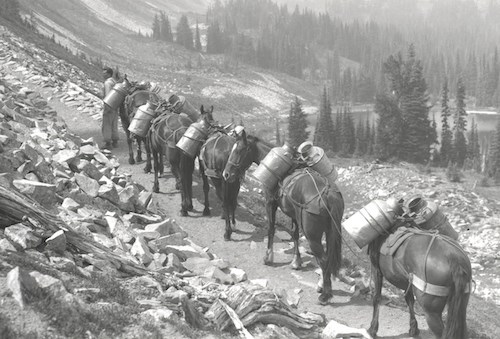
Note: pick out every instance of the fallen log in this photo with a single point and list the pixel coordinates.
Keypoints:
(252, 304)
(16, 208)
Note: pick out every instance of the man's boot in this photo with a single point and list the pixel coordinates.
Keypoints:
(107, 146)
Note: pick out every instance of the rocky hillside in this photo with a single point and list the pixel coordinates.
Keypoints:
(86, 251)
(237, 92)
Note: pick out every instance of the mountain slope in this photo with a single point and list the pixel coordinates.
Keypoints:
(238, 92)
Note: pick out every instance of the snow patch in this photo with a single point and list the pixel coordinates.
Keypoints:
(267, 91)
(113, 17)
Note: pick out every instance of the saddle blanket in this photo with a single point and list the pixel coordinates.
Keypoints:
(395, 240)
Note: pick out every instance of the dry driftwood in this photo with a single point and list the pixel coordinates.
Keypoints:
(253, 304)
(16, 208)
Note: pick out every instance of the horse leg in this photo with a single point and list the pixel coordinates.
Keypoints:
(156, 185)
(174, 160)
(138, 158)
(206, 188)
(297, 260)
(186, 168)
(218, 191)
(235, 190)
(377, 294)
(226, 203)
(410, 301)
(271, 207)
(326, 276)
(130, 148)
(147, 146)
(435, 323)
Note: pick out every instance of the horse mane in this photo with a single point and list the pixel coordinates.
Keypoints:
(263, 147)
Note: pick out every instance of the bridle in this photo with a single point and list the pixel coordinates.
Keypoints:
(238, 165)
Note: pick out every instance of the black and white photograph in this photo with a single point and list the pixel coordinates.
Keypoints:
(256, 169)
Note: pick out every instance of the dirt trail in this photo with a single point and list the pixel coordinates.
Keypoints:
(247, 248)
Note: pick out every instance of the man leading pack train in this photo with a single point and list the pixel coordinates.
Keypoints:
(109, 115)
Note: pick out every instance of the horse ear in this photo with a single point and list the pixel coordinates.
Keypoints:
(244, 137)
(211, 108)
(202, 109)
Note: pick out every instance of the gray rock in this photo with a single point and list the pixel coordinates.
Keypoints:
(109, 193)
(21, 284)
(22, 236)
(87, 184)
(5, 246)
(70, 204)
(141, 251)
(44, 194)
(57, 242)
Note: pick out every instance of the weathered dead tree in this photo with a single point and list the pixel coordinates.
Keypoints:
(252, 304)
(16, 208)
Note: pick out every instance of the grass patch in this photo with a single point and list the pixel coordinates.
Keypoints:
(78, 320)
(110, 290)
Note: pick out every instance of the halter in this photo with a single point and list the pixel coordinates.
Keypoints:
(238, 166)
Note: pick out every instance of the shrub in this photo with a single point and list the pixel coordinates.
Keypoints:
(484, 182)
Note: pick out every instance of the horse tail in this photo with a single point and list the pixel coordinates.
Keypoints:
(334, 247)
(458, 299)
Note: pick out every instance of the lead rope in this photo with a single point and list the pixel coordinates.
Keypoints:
(337, 228)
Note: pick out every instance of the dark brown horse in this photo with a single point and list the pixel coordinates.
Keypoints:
(430, 267)
(138, 95)
(308, 199)
(166, 130)
(213, 158)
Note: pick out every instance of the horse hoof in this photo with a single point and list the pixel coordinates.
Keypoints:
(319, 289)
(227, 237)
(324, 298)
(414, 332)
(372, 333)
(296, 266)
(178, 186)
(139, 159)
(206, 212)
(147, 169)
(190, 208)
(184, 213)
(131, 161)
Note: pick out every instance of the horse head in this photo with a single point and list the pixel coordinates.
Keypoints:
(207, 115)
(243, 153)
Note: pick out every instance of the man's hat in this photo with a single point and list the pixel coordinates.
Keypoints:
(107, 69)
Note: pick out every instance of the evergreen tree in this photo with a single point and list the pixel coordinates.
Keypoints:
(459, 128)
(297, 124)
(197, 40)
(361, 144)
(184, 33)
(389, 133)
(165, 28)
(494, 155)
(156, 28)
(473, 148)
(347, 133)
(324, 124)
(419, 135)
(337, 128)
(446, 151)
(369, 137)
(215, 40)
